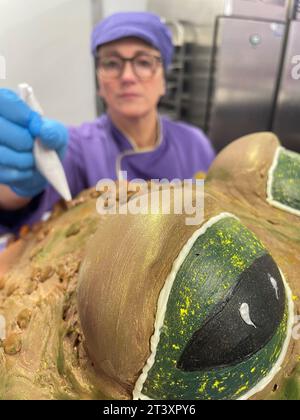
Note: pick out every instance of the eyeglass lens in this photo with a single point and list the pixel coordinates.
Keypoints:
(144, 66)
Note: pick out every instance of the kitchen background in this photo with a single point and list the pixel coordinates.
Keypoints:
(236, 68)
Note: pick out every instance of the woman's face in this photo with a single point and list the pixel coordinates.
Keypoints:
(129, 95)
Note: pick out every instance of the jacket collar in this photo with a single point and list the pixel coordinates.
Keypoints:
(126, 144)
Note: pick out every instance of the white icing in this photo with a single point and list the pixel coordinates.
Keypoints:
(270, 198)
(274, 285)
(163, 300)
(245, 314)
(2, 328)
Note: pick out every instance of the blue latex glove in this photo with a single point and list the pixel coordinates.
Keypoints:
(19, 126)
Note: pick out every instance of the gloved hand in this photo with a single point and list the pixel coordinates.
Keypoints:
(19, 126)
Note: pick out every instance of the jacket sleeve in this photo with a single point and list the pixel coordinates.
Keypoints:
(12, 221)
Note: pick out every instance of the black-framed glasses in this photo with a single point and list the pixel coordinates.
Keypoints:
(144, 65)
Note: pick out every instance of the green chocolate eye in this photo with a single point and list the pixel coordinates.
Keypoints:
(242, 324)
(222, 319)
(284, 181)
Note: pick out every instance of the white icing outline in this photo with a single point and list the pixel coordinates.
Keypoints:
(163, 301)
(270, 198)
(162, 308)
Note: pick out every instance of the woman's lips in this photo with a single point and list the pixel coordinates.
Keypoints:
(129, 96)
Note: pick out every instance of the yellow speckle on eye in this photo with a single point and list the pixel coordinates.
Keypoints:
(183, 312)
(253, 370)
(238, 262)
(175, 347)
(187, 302)
(216, 385)
(202, 388)
(226, 242)
(295, 298)
(242, 389)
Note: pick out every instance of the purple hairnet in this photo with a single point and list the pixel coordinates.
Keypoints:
(143, 25)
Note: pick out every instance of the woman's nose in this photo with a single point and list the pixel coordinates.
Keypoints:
(128, 73)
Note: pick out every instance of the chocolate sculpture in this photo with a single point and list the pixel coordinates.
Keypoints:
(167, 310)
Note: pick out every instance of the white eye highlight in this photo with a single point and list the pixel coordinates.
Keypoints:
(2, 328)
(245, 314)
(274, 285)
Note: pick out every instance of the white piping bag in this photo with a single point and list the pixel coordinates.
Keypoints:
(47, 161)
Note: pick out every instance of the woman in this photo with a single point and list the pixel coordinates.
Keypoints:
(132, 51)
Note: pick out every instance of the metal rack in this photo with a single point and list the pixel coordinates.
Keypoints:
(188, 74)
(171, 103)
(297, 7)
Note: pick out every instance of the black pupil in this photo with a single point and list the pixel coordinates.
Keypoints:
(226, 339)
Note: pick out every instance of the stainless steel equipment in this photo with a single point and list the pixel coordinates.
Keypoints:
(276, 10)
(250, 61)
(247, 62)
(287, 115)
(255, 84)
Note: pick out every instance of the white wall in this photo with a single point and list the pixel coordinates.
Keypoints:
(47, 43)
(196, 11)
(113, 6)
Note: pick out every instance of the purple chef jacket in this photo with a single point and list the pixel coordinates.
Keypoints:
(99, 150)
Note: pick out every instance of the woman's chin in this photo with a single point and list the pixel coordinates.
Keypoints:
(132, 112)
